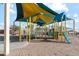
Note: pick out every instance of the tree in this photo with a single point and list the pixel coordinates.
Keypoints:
(14, 27)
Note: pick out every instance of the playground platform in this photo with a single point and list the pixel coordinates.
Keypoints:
(47, 48)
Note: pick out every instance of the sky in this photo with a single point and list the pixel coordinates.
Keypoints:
(1, 16)
(71, 10)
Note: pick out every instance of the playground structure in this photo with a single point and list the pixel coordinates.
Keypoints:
(41, 16)
(47, 17)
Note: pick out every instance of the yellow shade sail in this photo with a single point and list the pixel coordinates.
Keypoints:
(30, 9)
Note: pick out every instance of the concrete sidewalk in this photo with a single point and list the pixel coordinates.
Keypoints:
(13, 45)
(48, 48)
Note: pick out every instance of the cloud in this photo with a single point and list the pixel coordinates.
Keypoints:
(77, 20)
(58, 6)
(11, 9)
(68, 15)
(2, 25)
(75, 15)
(11, 5)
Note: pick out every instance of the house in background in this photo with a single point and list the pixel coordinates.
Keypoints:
(1, 29)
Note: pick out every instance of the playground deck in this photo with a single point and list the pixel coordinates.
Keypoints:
(48, 48)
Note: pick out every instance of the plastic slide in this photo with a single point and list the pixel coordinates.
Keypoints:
(66, 37)
(50, 33)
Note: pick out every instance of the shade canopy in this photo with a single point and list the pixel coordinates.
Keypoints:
(26, 10)
(38, 12)
(57, 15)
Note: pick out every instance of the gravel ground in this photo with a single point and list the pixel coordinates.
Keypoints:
(48, 48)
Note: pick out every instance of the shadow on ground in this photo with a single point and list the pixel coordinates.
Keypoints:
(38, 41)
(1, 54)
